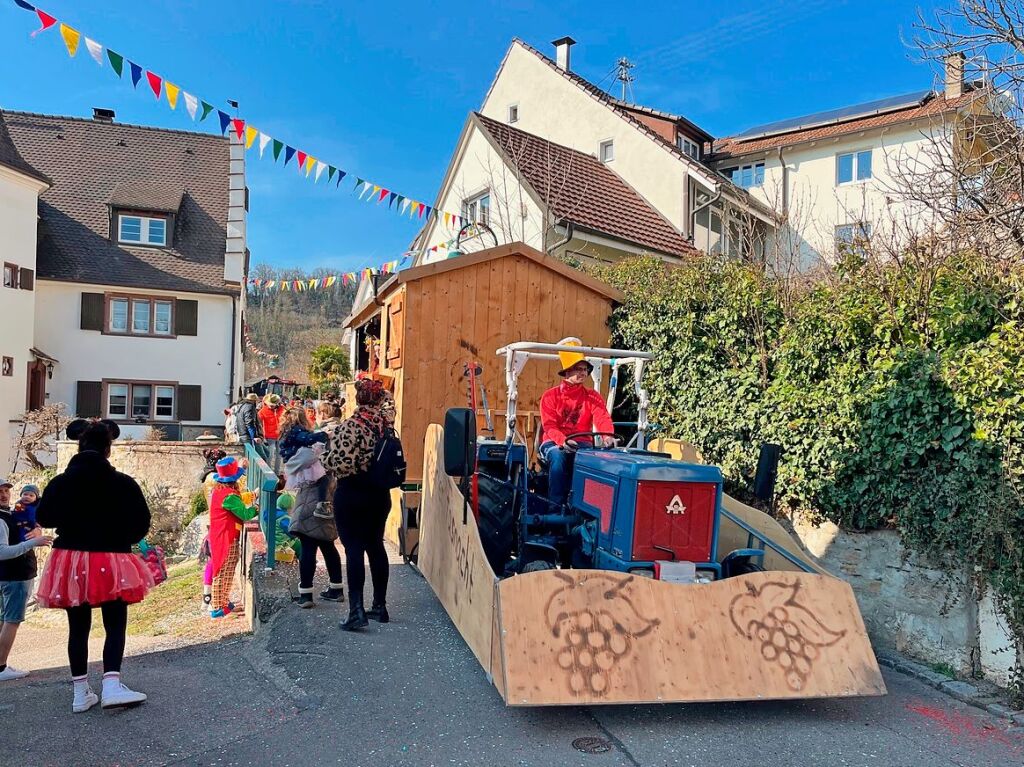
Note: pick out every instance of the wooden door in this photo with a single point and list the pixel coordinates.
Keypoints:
(36, 385)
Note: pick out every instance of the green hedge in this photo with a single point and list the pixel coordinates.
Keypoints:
(896, 394)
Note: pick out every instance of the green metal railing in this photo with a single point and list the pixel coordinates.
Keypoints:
(263, 481)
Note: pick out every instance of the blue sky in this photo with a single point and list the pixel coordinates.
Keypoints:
(382, 89)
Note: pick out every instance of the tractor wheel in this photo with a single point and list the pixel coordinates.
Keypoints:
(743, 566)
(497, 523)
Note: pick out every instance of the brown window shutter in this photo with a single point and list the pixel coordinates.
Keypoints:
(190, 403)
(88, 400)
(92, 311)
(186, 318)
(28, 279)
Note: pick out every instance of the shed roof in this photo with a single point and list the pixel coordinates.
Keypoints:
(368, 309)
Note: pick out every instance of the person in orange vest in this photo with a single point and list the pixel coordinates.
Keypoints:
(270, 419)
(567, 409)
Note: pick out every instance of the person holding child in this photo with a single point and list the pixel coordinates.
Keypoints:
(17, 571)
(228, 509)
(312, 519)
(99, 514)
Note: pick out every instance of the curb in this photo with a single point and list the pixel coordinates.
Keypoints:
(965, 692)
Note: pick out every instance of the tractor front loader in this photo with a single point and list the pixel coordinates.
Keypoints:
(641, 588)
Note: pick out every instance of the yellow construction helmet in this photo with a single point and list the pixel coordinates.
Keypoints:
(568, 359)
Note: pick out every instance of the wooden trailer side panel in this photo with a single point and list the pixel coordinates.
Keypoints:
(582, 637)
(468, 313)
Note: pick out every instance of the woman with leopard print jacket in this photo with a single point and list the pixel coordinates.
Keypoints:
(360, 507)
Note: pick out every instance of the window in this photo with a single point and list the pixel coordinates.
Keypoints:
(477, 210)
(10, 276)
(746, 176)
(7, 368)
(853, 166)
(142, 400)
(689, 147)
(162, 318)
(607, 151)
(164, 402)
(513, 113)
(142, 230)
(117, 400)
(119, 315)
(853, 238)
(140, 316)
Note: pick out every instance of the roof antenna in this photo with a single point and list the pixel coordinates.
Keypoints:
(234, 105)
(622, 74)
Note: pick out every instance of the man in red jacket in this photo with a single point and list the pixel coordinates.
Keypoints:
(566, 409)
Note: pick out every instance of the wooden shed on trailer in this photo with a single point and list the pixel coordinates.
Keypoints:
(427, 323)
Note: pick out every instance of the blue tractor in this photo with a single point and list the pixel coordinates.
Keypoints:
(630, 509)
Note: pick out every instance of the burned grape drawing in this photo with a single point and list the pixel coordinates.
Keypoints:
(786, 632)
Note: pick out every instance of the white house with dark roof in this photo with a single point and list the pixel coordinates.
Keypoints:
(140, 271)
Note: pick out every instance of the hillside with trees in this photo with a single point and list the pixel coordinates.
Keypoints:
(291, 324)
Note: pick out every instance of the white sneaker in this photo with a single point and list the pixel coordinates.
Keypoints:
(10, 673)
(116, 694)
(85, 701)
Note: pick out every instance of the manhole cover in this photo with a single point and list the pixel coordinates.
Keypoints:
(592, 745)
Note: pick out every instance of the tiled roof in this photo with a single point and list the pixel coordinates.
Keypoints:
(579, 188)
(90, 163)
(932, 108)
(10, 157)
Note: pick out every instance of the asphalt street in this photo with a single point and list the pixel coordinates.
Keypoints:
(410, 693)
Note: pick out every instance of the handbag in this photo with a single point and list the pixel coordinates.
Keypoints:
(155, 559)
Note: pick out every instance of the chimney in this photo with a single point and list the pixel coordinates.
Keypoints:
(562, 50)
(102, 115)
(954, 75)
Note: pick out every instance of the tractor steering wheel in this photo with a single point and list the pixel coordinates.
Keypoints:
(570, 439)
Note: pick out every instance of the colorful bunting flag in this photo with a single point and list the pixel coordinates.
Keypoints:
(23, 4)
(136, 73)
(191, 102)
(341, 175)
(239, 127)
(45, 19)
(155, 83)
(320, 168)
(383, 194)
(71, 38)
(302, 158)
(310, 162)
(331, 170)
(116, 61)
(172, 92)
(405, 205)
(207, 108)
(278, 146)
(225, 120)
(95, 50)
(288, 154)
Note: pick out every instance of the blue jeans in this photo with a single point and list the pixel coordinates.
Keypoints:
(13, 600)
(559, 471)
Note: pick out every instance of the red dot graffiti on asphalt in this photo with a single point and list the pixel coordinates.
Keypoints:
(961, 726)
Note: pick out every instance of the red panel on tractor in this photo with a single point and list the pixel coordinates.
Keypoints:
(601, 497)
(679, 516)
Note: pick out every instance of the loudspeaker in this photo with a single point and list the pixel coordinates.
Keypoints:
(459, 442)
(767, 472)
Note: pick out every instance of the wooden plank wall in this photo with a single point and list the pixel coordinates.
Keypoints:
(471, 312)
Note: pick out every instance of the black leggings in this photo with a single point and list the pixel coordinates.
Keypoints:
(361, 516)
(115, 623)
(307, 560)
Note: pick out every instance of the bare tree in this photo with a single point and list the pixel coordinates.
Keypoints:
(40, 430)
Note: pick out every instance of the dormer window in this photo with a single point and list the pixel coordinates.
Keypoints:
(689, 147)
(141, 230)
(606, 151)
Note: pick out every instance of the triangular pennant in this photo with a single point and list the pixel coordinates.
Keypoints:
(191, 102)
(330, 281)
(264, 140)
(207, 108)
(46, 20)
(155, 83)
(383, 194)
(331, 170)
(405, 204)
(250, 136)
(71, 38)
(23, 4)
(239, 127)
(172, 92)
(320, 168)
(391, 198)
(447, 218)
(288, 154)
(310, 162)
(341, 175)
(422, 208)
(359, 184)
(278, 146)
(373, 193)
(302, 158)
(225, 120)
(312, 283)
(116, 61)
(427, 211)
(95, 50)
(136, 73)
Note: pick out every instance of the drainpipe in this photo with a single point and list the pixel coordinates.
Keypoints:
(785, 184)
(698, 209)
(569, 229)
(234, 325)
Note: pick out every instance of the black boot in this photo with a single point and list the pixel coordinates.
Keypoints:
(356, 615)
(333, 593)
(379, 613)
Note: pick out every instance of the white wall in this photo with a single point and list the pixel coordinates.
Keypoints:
(817, 205)
(88, 355)
(18, 215)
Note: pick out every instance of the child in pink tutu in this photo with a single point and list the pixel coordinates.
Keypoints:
(98, 513)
